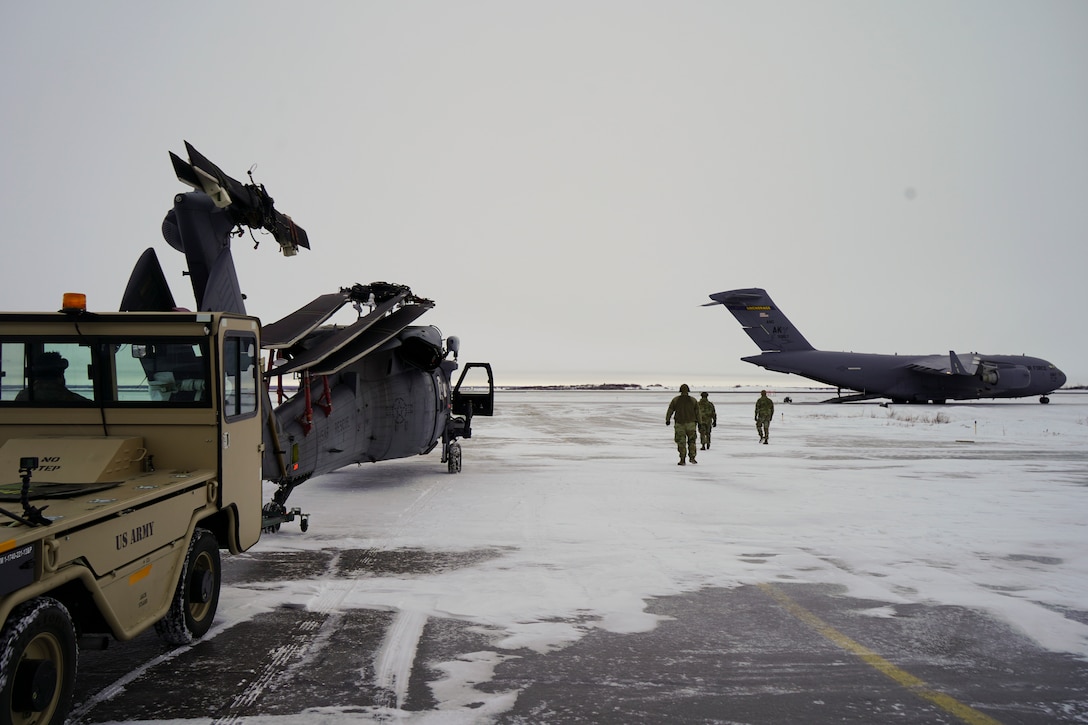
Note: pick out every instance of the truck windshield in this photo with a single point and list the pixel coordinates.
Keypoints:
(145, 372)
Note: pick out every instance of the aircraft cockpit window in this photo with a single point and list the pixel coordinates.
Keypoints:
(46, 372)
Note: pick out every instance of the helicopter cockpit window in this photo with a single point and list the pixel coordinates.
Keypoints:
(46, 372)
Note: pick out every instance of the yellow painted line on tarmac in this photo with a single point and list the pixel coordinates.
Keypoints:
(918, 687)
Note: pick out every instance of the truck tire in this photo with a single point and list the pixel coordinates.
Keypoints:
(197, 595)
(38, 654)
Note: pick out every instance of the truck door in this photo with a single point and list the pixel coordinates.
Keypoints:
(241, 433)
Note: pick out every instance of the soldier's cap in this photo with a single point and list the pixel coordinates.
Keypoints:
(684, 388)
(703, 394)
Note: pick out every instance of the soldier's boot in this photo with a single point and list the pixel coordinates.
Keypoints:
(681, 462)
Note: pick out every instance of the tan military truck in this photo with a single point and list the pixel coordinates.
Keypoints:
(130, 455)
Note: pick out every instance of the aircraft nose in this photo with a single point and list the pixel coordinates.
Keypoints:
(1059, 377)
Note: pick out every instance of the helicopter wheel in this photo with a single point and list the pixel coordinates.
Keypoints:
(273, 510)
(453, 457)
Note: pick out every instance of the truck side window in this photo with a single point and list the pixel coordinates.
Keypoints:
(12, 369)
(46, 372)
(161, 371)
(240, 375)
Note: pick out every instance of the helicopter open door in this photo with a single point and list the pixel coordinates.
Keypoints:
(475, 399)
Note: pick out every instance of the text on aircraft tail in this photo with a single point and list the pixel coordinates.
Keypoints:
(768, 327)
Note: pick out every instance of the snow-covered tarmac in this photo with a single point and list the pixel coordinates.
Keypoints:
(571, 519)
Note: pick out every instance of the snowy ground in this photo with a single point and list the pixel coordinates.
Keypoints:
(571, 513)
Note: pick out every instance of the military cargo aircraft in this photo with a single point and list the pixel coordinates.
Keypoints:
(376, 389)
(902, 378)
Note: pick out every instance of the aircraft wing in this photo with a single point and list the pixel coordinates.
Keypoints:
(951, 364)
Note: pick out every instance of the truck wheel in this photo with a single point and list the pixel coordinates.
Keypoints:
(197, 595)
(38, 653)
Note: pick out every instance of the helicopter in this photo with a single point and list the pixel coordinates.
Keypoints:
(378, 389)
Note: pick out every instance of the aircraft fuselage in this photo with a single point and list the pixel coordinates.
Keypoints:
(891, 376)
(907, 378)
(378, 409)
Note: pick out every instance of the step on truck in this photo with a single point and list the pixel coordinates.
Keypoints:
(130, 455)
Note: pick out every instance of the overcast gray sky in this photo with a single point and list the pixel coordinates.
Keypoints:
(570, 180)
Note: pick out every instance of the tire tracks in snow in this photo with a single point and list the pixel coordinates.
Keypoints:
(395, 658)
(393, 662)
(300, 643)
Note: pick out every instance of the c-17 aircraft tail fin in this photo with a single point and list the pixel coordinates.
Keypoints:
(762, 320)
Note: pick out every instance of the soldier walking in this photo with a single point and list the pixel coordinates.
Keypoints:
(708, 418)
(764, 413)
(686, 410)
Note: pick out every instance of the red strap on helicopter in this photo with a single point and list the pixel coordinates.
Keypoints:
(272, 355)
(306, 420)
(325, 401)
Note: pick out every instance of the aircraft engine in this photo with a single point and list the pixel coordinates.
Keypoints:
(1011, 377)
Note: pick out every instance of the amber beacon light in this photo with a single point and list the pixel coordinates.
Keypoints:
(74, 302)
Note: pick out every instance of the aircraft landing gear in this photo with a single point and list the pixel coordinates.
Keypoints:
(453, 457)
(1045, 399)
(275, 513)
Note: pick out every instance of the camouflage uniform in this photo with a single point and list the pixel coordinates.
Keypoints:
(764, 413)
(686, 410)
(708, 418)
